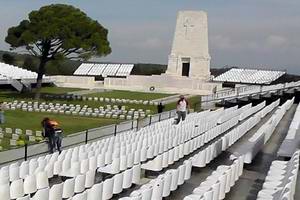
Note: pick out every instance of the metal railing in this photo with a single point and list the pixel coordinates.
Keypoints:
(247, 90)
(83, 137)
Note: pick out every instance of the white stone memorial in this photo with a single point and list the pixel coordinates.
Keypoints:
(189, 56)
(188, 64)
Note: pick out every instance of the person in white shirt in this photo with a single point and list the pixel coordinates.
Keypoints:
(182, 107)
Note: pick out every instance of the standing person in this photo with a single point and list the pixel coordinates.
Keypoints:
(58, 134)
(182, 106)
(160, 108)
(48, 132)
(2, 108)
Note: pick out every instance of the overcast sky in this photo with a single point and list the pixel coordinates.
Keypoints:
(245, 33)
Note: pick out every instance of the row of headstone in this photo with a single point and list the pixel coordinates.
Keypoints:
(108, 111)
(101, 99)
(15, 136)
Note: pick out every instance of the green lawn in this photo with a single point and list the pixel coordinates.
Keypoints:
(8, 95)
(120, 94)
(58, 90)
(70, 124)
(32, 121)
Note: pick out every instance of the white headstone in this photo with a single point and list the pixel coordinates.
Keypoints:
(189, 55)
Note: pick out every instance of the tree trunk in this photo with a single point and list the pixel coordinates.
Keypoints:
(42, 68)
(39, 79)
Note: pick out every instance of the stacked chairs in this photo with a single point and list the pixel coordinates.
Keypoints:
(164, 184)
(263, 134)
(219, 182)
(281, 180)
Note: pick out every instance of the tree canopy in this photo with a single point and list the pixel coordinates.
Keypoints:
(59, 31)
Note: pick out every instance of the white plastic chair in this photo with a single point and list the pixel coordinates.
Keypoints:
(136, 174)
(118, 183)
(81, 196)
(68, 188)
(42, 180)
(4, 191)
(79, 183)
(27, 197)
(17, 189)
(108, 189)
(90, 178)
(56, 192)
(95, 192)
(41, 194)
(127, 178)
(30, 184)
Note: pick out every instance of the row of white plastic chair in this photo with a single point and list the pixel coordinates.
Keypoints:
(263, 134)
(292, 140)
(186, 148)
(229, 113)
(16, 72)
(81, 186)
(219, 182)
(249, 76)
(164, 184)
(281, 180)
(252, 110)
(38, 184)
(104, 69)
(205, 156)
(294, 126)
(88, 159)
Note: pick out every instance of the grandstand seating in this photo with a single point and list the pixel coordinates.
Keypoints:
(263, 134)
(84, 69)
(281, 180)
(95, 70)
(292, 139)
(252, 76)
(13, 72)
(219, 182)
(124, 155)
(104, 70)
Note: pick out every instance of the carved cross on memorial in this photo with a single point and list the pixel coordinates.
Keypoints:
(187, 25)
